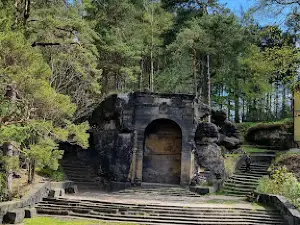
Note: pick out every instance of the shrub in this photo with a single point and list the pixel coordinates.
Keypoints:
(282, 183)
(53, 175)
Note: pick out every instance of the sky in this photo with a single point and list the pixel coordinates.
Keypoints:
(263, 18)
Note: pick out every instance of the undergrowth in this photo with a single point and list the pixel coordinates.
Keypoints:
(53, 175)
(281, 182)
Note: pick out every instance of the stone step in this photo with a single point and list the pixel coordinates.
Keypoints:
(257, 166)
(249, 186)
(248, 175)
(86, 184)
(245, 191)
(158, 211)
(159, 219)
(241, 182)
(252, 172)
(80, 171)
(97, 203)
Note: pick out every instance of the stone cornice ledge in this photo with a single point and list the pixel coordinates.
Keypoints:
(286, 209)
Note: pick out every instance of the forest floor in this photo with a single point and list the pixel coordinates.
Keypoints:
(20, 184)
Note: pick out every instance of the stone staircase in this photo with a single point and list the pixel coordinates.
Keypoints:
(242, 183)
(170, 191)
(82, 174)
(160, 213)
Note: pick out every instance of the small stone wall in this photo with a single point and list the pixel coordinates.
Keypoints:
(37, 193)
(289, 212)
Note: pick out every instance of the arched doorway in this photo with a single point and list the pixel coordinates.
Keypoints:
(162, 152)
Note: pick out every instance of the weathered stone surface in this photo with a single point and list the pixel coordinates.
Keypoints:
(273, 136)
(30, 212)
(286, 209)
(57, 193)
(118, 137)
(14, 216)
(207, 153)
(230, 136)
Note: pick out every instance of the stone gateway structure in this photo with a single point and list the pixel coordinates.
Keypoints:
(144, 137)
(141, 137)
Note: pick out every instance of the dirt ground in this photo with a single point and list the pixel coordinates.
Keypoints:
(20, 185)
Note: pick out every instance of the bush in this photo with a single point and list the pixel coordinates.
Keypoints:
(282, 183)
(290, 160)
(53, 175)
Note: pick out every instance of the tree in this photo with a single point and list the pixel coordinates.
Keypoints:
(119, 46)
(155, 22)
(33, 116)
(68, 47)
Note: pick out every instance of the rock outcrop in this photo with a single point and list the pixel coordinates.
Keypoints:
(277, 136)
(230, 136)
(208, 154)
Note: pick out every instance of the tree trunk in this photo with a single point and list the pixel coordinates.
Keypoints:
(276, 98)
(141, 75)
(152, 73)
(236, 102)
(243, 110)
(283, 107)
(208, 85)
(8, 148)
(152, 48)
(236, 108)
(228, 105)
(194, 60)
(26, 11)
(267, 106)
(31, 170)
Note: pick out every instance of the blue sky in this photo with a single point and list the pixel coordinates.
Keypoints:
(263, 18)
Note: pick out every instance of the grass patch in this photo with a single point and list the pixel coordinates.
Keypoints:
(66, 221)
(251, 149)
(230, 163)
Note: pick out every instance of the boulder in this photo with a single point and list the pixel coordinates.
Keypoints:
(30, 212)
(230, 136)
(273, 136)
(56, 193)
(208, 154)
(14, 216)
(210, 157)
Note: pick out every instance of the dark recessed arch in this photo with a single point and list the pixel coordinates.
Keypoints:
(162, 152)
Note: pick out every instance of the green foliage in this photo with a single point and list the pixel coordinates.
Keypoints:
(34, 114)
(282, 183)
(53, 175)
